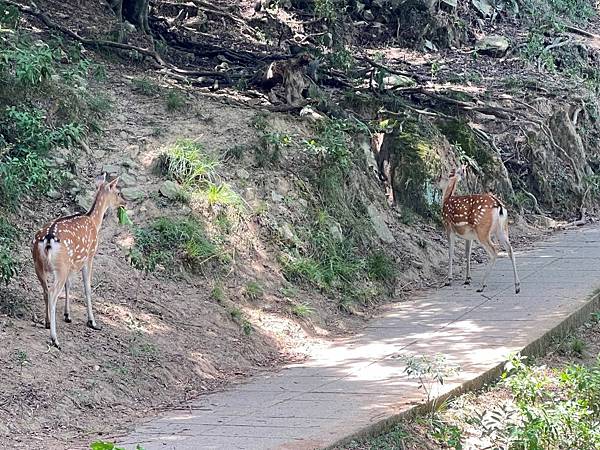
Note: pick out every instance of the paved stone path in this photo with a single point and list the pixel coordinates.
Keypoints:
(358, 382)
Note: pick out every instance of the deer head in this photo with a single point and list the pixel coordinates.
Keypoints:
(109, 193)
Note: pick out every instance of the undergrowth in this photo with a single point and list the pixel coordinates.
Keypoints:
(46, 108)
(334, 252)
(167, 242)
(187, 163)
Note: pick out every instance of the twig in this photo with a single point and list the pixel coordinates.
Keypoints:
(392, 71)
(581, 32)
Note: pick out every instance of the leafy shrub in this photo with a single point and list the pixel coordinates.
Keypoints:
(253, 290)
(166, 241)
(175, 101)
(32, 65)
(27, 139)
(145, 86)
(187, 163)
(221, 195)
(556, 409)
(380, 266)
(302, 310)
(328, 262)
(8, 266)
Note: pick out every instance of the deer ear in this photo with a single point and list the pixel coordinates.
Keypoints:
(100, 180)
(113, 183)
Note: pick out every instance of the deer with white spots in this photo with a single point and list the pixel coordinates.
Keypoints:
(475, 217)
(67, 245)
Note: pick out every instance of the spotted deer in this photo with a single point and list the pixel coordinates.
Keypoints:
(475, 217)
(67, 245)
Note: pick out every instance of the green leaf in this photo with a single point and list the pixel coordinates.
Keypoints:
(100, 445)
(123, 217)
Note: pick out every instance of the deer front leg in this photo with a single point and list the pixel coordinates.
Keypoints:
(86, 272)
(468, 247)
(451, 239)
(67, 311)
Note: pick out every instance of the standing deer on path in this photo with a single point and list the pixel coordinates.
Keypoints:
(68, 245)
(475, 217)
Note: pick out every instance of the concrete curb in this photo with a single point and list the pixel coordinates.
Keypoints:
(535, 348)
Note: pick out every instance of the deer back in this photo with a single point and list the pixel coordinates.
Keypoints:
(70, 240)
(468, 214)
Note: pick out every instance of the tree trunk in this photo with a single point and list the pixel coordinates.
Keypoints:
(134, 11)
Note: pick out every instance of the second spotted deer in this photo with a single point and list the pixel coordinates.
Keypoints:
(475, 217)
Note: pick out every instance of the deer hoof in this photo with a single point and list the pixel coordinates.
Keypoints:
(481, 289)
(467, 281)
(93, 325)
(517, 288)
(55, 343)
(68, 318)
(448, 283)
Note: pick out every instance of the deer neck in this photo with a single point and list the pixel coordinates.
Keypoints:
(98, 209)
(450, 189)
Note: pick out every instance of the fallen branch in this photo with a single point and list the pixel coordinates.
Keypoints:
(393, 71)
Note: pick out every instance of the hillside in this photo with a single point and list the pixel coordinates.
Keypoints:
(280, 163)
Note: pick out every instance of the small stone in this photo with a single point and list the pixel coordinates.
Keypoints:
(133, 150)
(250, 194)
(282, 186)
(128, 162)
(483, 7)
(133, 193)
(170, 190)
(111, 169)
(54, 195)
(127, 180)
(123, 135)
(493, 45)
(286, 232)
(336, 231)
(393, 81)
(310, 114)
(84, 201)
(303, 202)
(243, 174)
(129, 27)
(276, 197)
(96, 368)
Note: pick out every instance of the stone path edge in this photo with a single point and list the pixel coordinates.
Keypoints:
(536, 348)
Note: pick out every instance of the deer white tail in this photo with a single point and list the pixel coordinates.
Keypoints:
(49, 247)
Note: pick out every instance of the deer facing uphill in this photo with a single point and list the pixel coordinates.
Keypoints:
(68, 245)
(475, 217)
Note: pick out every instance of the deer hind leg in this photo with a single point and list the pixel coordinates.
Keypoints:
(502, 235)
(53, 293)
(42, 276)
(451, 239)
(468, 247)
(86, 272)
(492, 252)
(67, 311)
